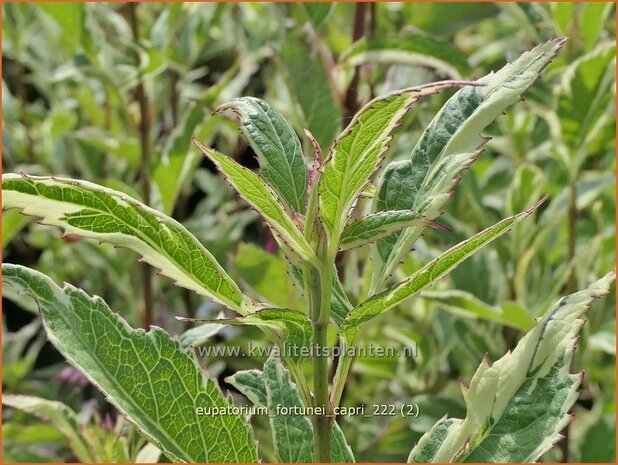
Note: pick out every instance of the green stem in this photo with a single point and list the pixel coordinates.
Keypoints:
(319, 285)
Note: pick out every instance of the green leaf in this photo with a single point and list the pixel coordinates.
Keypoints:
(69, 16)
(145, 375)
(253, 189)
(277, 147)
(177, 161)
(416, 49)
(290, 431)
(585, 94)
(267, 275)
(442, 19)
(86, 209)
(379, 225)
(517, 406)
(12, 223)
(466, 304)
(273, 387)
(447, 146)
(592, 20)
(317, 12)
(425, 277)
(308, 81)
(57, 414)
(357, 152)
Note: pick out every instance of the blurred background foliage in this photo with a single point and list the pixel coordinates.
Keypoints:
(111, 93)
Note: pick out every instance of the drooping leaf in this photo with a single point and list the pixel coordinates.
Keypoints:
(273, 387)
(414, 49)
(86, 209)
(277, 147)
(357, 152)
(447, 146)
(425, 277)
(255, 191)
(57, 414)
(146, 375)
(464, 303)
(517, 406)
(379, 225)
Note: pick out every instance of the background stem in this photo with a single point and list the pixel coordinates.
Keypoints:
(144, 132)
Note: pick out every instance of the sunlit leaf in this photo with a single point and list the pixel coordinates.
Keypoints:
(447, 146)
(86, 209)
(277, 147)
(146, 375)
(358, 151)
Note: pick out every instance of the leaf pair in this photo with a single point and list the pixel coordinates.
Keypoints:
(357, 152)
(447, 146)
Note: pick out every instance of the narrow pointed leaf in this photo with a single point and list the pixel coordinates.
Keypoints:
(517, 406)
(357, 152)
(257, 385)
(379, 225)
(58, 415)
(146, 375)
(448, 145)
(426, 276)
(253, 189)
(277, 148)
(89, 210)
